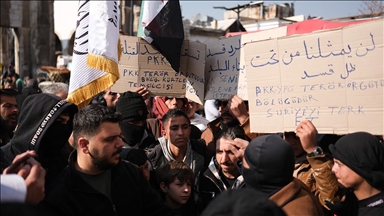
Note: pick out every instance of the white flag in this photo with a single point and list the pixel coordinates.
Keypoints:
(96, 50)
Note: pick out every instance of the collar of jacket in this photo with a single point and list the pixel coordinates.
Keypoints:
(213, 174)
(76, 182)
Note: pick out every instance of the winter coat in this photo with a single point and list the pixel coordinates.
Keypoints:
(296, 199)
(316, 173)
(37, 115)
(131, 194)
(157, 158)
(210, 185)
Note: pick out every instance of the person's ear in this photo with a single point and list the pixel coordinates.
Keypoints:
(163, 187)
(163, 133)
(83, 145)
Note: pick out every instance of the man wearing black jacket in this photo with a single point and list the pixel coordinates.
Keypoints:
(44, 125)
(96, 181)
(222, 173)
(8, 114)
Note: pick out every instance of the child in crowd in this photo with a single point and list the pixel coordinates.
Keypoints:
(176, 180)
(138, 157)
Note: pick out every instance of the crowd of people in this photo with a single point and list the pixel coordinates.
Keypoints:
(131, 154)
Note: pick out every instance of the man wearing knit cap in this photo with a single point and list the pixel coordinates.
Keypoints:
(268, 164)
(359, 166)
(132, 107)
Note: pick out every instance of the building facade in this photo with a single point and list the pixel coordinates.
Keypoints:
(27, 35)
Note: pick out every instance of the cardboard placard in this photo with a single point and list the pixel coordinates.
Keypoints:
(225, 69)
(142, 65)
(334, 78)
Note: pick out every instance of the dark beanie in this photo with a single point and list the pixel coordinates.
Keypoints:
(132, 107)
(271, 160)
(362, 153)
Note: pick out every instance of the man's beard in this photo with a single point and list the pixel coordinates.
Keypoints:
(102, 163)
(10, 126)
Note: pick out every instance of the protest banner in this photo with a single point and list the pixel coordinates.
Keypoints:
(225, 69)
(142, 65)
(334, 78)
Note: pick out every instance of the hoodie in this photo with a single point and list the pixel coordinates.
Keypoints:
(37, 130)
(271, 162)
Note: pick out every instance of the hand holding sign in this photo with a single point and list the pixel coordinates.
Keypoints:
(238, 108)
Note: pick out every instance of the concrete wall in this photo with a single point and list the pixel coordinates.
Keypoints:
(34, 39)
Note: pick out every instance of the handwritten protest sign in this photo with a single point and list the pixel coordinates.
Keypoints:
(142, 65)
(333, 78)
(225, 65)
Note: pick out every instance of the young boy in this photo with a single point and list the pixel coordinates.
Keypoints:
(176, 180)
(359, 166)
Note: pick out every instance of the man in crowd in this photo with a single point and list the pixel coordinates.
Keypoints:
(176, 144)
(59, 89)
(232, 112)
(359, 166)
(9, 114)
(161, 105)
(96, 181)
(134, 112)
(222, 173)
(45, 124)
(312, 165)
(31, 87)
(267, 166)
(197, 120)
(17, 81)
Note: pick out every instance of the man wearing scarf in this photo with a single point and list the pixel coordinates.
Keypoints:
(134, 112)
(176, 143)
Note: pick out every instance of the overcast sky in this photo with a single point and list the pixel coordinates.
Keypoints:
(325, 9)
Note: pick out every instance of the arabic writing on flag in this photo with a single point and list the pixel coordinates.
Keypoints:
(96, 50)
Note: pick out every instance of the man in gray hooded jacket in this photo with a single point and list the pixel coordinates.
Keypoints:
(175, 143)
